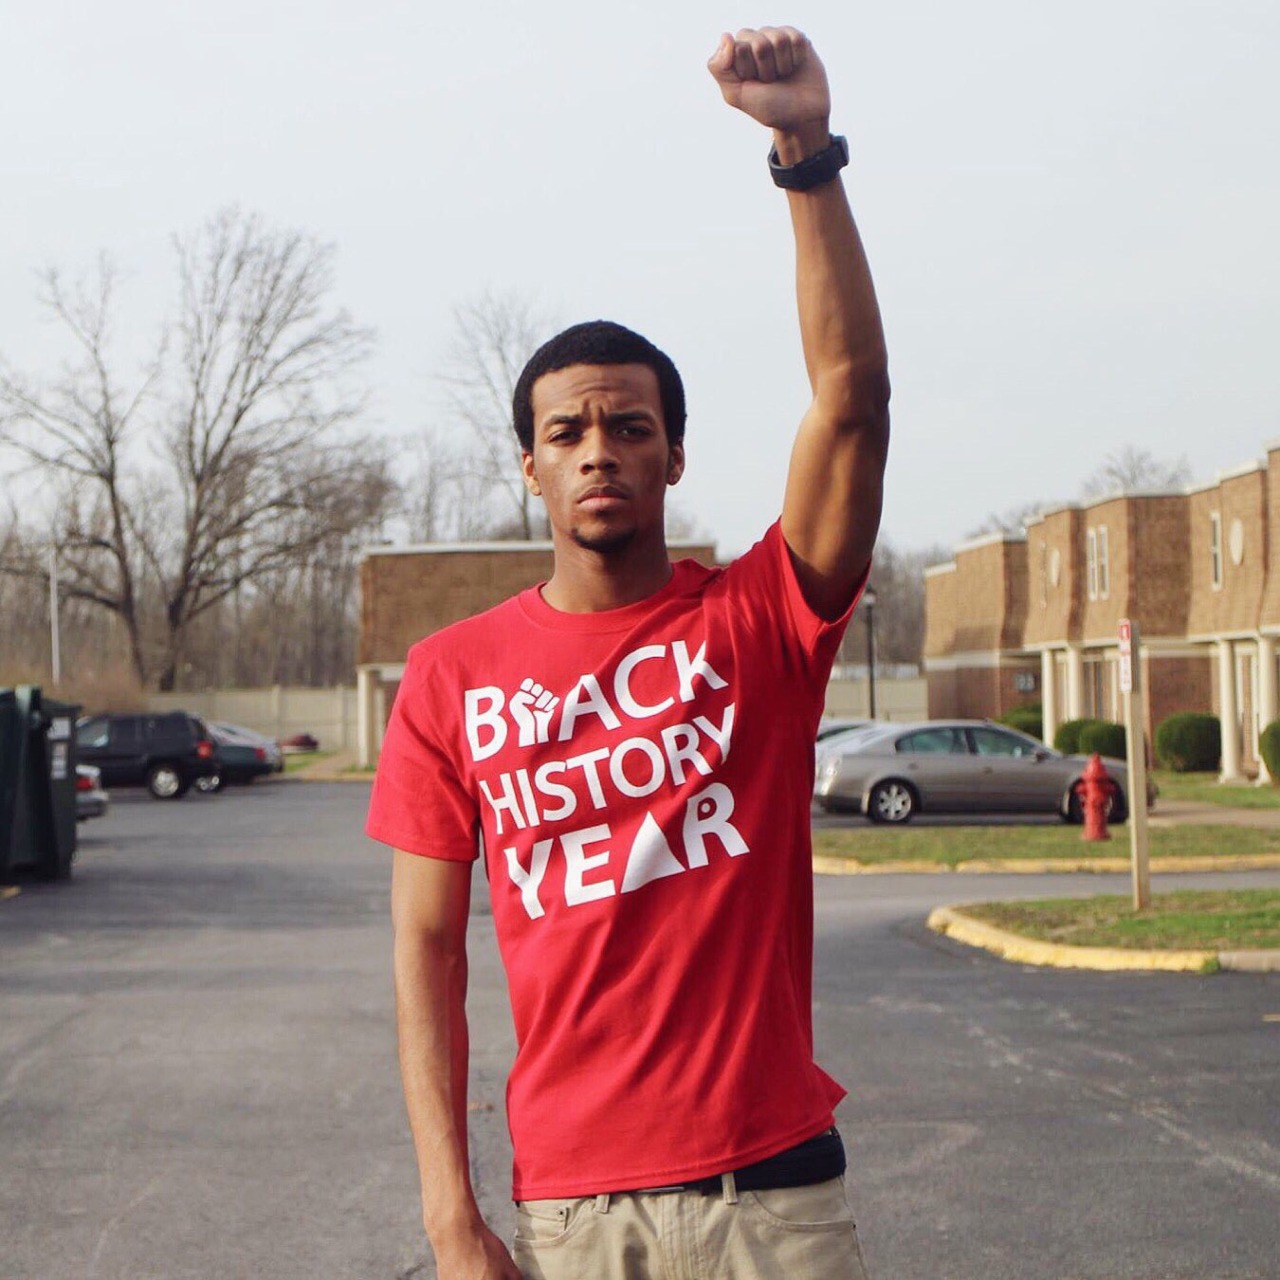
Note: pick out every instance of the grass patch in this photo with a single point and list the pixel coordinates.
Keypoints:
(1227, 920)
(948, 846)
(294, 761)
(1204, 788)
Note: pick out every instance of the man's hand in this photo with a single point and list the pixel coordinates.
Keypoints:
(479, 1255)
(774, 76)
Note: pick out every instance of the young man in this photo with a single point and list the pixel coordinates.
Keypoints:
(631, 748)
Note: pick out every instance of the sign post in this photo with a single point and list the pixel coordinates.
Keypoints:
(1136, 752)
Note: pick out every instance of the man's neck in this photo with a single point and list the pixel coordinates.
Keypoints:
(586, 581)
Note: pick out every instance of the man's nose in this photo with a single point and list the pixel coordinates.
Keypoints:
(598, 453)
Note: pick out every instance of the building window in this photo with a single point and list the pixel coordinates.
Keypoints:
(1044, 575)
(1215, 549)
(1091, 562)
(1104, 564)
(1095, 686)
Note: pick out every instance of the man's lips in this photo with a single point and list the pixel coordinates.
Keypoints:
(602, 496)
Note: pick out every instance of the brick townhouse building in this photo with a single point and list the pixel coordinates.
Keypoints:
(409, 592)
(1012, 620)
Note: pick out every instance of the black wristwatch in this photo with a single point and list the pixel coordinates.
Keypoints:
(812, 171)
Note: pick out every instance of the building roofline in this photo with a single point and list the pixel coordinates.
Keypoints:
(1244, 469)
(444, 548)
(1179, 491)
(989, 540)
(934, 570)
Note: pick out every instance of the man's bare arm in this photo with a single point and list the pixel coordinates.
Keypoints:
(831, 511)
(430, 900)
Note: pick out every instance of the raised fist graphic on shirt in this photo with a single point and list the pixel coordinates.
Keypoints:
(531, 709)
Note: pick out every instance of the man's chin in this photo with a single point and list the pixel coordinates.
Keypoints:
(603, 541)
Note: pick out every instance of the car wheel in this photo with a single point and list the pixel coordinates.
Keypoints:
(210, 783)
(891, 801)
(165, 782)
(1118, 811)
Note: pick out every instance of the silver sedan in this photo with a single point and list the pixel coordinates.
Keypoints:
(894, 771)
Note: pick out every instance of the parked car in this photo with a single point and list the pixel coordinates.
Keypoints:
(275, 756)
(241, 757)
(895, 771)
(829, 726)
(837, 740)
(91, 800)
(165, 752)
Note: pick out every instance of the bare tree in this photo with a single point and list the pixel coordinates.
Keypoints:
(494, 336)
(1131, 469)
(898, 579)
(449, 496)
(1013, 521)
(223, 460)
(1128, 469)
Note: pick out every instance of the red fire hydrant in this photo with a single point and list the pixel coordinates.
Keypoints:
(1096, 789)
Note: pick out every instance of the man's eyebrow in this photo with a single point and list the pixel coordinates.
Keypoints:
(569, 419)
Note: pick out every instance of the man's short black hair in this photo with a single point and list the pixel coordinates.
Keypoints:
(598, 342)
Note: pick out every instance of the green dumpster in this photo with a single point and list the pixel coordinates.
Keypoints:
(37, 785)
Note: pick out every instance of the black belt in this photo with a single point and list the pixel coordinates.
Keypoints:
(817, 1160)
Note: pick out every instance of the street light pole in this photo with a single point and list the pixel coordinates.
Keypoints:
(869, 600)
(55, 645)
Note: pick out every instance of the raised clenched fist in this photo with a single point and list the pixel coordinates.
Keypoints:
(774, 76)
(531, 709)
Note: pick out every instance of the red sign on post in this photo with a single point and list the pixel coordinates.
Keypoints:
(1126, 656)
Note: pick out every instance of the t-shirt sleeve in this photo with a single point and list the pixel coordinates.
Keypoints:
(420, 802)
(764, 582)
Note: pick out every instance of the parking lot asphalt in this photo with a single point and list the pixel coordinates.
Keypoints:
(198, 1079)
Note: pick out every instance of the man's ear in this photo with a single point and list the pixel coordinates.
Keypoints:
(530, 476)
(675, 464)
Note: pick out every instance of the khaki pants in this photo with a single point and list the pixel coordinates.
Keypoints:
(790, 1233)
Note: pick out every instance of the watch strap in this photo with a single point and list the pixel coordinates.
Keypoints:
(813, 170)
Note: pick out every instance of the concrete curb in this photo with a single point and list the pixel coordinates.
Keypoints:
(825, 864)
(951, 922)
(366, 778)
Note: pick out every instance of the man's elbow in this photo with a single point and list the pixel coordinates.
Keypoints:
(856, 398)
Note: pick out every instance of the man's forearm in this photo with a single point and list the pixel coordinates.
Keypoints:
(431, 987)
(840, 328)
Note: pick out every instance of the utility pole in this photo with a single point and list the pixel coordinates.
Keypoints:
(55, 645)
(869, 600)
(1136, 751)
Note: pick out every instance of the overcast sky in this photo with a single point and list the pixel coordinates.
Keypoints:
(1071, 211)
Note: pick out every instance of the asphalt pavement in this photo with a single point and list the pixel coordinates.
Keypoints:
(198, 1079)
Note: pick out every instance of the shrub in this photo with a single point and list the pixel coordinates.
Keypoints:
(1028, 718)
(1067, 738)
(1104, 737)
(1189, 742)
(1269, 749)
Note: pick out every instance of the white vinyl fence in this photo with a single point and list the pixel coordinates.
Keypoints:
(329, 715)
(897, 698)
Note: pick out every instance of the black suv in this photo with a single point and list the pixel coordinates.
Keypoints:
(165, 752)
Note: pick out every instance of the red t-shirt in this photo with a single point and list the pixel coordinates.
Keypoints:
(640, 782)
